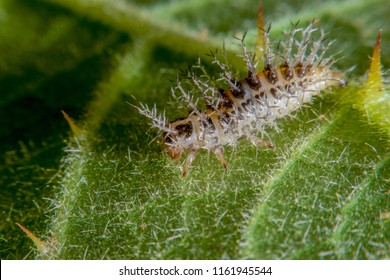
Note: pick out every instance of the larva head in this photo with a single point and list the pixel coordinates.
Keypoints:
(179, 139)
(331, 77)
(338, 79)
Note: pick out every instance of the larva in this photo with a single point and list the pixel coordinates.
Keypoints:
(289, 79)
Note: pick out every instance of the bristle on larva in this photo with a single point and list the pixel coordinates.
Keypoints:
(290, 78)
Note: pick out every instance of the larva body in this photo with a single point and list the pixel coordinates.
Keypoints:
(247, 106)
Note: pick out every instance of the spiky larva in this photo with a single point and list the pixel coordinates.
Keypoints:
(247, 106)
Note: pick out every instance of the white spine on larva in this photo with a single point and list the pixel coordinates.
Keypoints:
(247, 106)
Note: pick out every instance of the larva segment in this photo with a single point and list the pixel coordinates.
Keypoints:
(246, 107)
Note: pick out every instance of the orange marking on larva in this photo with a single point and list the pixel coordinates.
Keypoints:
(247, 106)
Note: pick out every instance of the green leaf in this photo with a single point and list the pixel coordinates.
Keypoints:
(112, 193)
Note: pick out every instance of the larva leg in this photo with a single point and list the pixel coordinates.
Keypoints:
(190, 158)
(219, 154)
(265, 144)
(257, 141)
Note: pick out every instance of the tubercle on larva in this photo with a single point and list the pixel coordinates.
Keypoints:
(248, 105)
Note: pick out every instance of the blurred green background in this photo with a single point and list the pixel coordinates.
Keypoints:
(89, 58)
